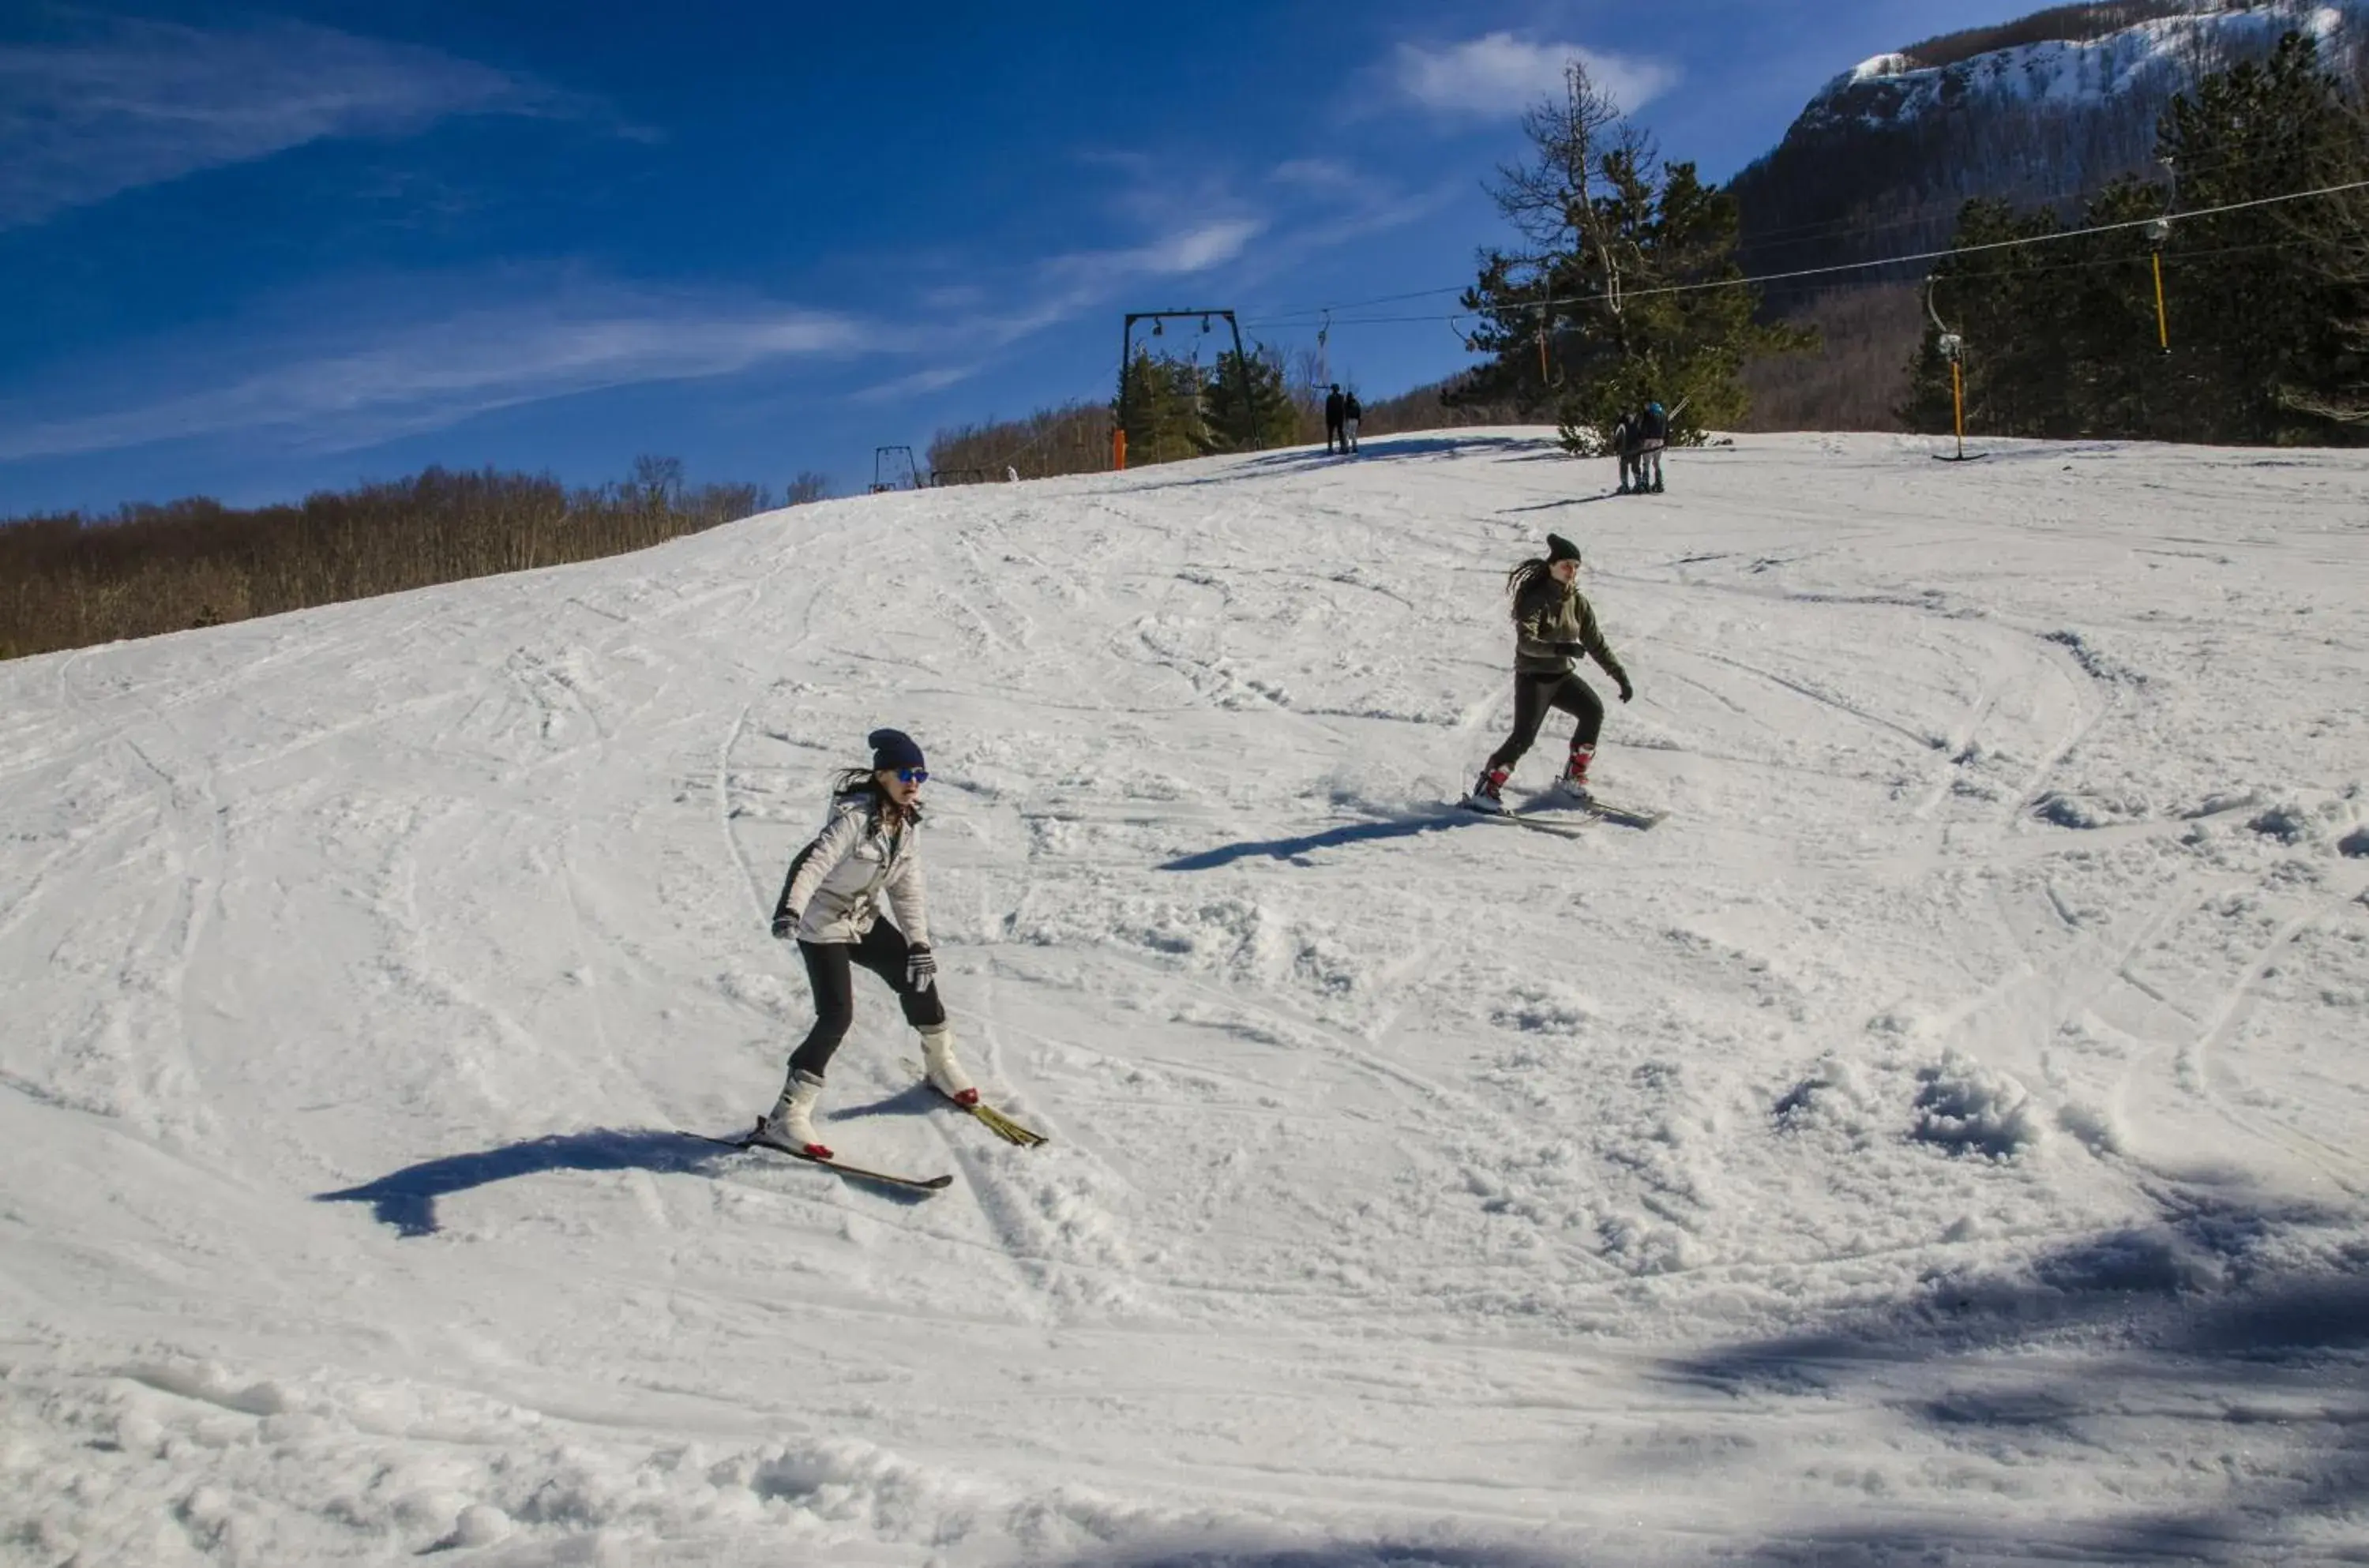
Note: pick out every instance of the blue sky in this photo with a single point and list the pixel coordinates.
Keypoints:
(251, 251)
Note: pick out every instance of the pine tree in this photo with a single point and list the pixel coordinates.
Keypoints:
(1625, 289)
(2273, 309)
(1247, 405)
(1162, 405)
(2267, 306)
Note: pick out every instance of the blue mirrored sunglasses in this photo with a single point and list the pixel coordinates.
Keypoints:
(912, 775)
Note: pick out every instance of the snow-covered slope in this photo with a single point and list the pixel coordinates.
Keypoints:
(1939, 1140)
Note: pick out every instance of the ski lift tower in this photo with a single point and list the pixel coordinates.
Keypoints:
(893, 469)
(1159, 319)
(1952, 347)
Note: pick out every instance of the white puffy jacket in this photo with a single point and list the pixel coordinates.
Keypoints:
(836, 883)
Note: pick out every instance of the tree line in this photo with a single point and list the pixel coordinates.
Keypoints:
(69, 579)
(2267, 308)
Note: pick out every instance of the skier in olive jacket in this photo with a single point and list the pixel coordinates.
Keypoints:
(1553, 621)
(869, 848)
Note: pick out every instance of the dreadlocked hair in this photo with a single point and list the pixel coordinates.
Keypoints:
(1518, 580)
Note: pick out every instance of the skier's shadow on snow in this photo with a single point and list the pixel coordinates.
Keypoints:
(1333, 1554)
(406, 1199)
(1297, 850)
(1566, 501)
(1379, 449)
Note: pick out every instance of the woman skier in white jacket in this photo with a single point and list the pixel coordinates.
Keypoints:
(869, 847)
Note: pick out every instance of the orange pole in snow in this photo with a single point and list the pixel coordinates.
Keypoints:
(1958, 403)
(2162, 323)
(1118, 447)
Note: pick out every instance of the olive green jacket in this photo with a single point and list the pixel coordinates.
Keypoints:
(1549, 620)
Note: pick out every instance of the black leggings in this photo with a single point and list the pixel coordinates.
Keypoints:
(1533, 695)
(883, 952)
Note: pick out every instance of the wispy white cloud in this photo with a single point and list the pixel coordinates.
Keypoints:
(1499, 74)
(423, 374)
(920, 383)
(1064, 286)
(150, 101)
(1196, 249)
(1319, 176)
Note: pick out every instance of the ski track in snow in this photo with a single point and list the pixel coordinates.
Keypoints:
(1937, 1140)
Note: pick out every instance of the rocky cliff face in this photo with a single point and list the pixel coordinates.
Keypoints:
(2039, 111)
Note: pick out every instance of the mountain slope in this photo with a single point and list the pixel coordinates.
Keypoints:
(1879, 161)
(1937, 1138)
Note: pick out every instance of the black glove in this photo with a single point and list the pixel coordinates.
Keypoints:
(785, 925)
(1627, 691)
(921, 968)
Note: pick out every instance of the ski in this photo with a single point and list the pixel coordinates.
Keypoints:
(856, 1172)
(1517, 819)
(995, 1121)
(1627, 816)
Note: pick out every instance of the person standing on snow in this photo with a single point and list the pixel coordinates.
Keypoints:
(1351, 412)
(869, 847)
(1624, 442)
(1553, 621)
(1652, 434)
(1337, 412)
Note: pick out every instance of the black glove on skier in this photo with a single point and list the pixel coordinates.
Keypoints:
(1627, 691)
(921, 968)
(785, 926)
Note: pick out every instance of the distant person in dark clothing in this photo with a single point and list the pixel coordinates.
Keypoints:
(1624, 442)
(1351, 412)
(1652, 434)
(1337, 413)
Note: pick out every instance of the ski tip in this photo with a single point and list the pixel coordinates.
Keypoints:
(877, 1178)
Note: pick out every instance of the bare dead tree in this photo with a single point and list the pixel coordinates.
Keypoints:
(1550, 200)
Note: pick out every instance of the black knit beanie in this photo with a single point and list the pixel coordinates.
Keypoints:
(1561, 549)
(893, 749)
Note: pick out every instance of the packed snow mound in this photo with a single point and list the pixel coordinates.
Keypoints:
(1965, 1106)
(1811, 1177)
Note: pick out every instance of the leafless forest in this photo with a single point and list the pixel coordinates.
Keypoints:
(71, 580)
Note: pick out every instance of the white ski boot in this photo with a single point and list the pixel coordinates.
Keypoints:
(1572, 786)
(945, 1073)
(790, 1123)
(1489, 792)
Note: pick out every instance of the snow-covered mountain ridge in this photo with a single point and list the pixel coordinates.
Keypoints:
(2150, 58)
(1880, 161)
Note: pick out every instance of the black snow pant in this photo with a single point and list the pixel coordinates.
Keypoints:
(1336, 439)
(828, 967)
(1533, 695)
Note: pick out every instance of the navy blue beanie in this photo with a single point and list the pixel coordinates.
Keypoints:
(893, 749)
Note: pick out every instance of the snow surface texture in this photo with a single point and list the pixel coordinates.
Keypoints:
(1939, 1140)
(2156, 56)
